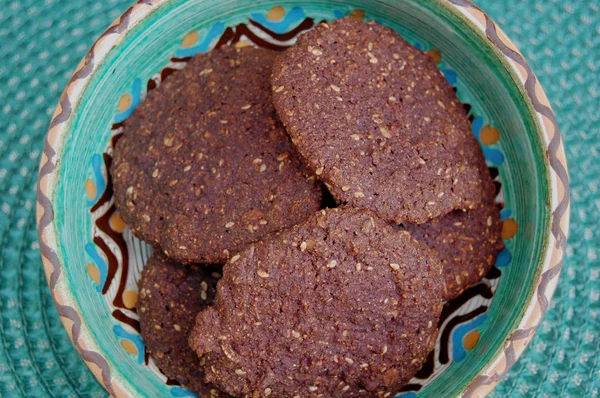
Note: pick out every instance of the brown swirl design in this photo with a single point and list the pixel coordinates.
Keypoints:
(518, 340)
(45, 215)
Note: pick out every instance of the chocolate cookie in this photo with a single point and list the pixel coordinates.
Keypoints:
(377, 121)
(204, 166)
(466, 242)
(340, 305)
(171, 295)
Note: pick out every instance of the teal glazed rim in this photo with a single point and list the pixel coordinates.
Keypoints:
(470, 27)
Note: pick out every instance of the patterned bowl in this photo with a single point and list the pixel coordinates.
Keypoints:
(92, 261)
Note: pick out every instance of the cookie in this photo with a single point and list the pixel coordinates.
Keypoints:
(466, 242)
(171, 295)
(204, 166)
(340, 305)
(377, 122)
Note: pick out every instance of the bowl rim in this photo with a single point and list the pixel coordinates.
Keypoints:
(489, 32)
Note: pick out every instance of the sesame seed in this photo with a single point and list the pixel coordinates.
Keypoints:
(384, 350)
(349, 360)
(377, 119)
(489, 221)
(234, 258)
(319, 171)
(229, 224)
(223, 121)
(346, 387)
(239, 372)
(439, 195)
(427, 119)
(187, 168)
(263, 222)
(129, 191)
(429, 324)
(345, 333)
(146, 217)
(364, 365)
(394, 266)
(262, 168)
(205, 72)
(392, 98)
(385, 132)
(421, 160)
(248, 106)
(441, 104)
(346, 188)
(267, 391)
(295, 334)
(303, 246)
(257, 161)
(335, 88)
(317, 52)
(157, 327)
(168, 142)
(359, 195)
(370, 46)
(358, 267)
(332, 264)
(173, 183)
(203, 295)
(203, 286)
(396, 56)
(262, 273)
(177, 327)
(279, 89)
(155, 173)
(282, 157)
(339, 99)
(355, 137)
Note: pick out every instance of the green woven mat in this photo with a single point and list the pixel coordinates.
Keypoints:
(42, 41)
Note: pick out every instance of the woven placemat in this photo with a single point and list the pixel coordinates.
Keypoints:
(42, 41)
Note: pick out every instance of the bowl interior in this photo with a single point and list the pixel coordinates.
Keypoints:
(103, 260)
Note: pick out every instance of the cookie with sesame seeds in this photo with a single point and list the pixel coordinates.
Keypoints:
(377, 121)
(467, 242)
(339, 305)
(170, 297)
(204, 166)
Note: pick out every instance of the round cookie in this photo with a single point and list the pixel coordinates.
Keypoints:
(171, 295)
(340, 305)
(204, 166)
(466, 242)
(377, 121)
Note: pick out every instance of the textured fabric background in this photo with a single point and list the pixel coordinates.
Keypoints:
(42, 41)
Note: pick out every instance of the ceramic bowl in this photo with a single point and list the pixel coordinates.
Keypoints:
(92, 261)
